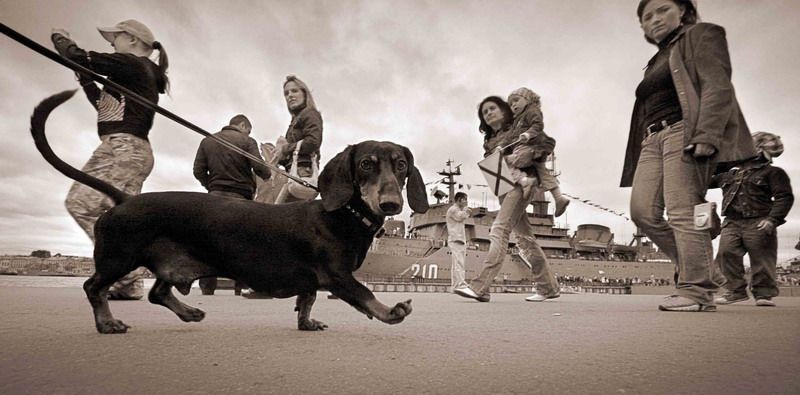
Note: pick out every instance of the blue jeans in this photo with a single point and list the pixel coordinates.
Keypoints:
(739, 237)
(665, 180)
(512, 216)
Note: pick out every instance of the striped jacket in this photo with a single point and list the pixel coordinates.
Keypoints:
(115, 112)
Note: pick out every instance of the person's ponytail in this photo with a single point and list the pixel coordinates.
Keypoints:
(163, 64)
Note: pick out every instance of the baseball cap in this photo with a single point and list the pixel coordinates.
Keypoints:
(132, 27)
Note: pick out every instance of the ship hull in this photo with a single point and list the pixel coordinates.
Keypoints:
(436, 265)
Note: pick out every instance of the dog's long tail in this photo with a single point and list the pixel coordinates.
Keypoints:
(38, 119)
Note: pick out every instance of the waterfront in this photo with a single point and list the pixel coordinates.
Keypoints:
(579, 343)
(54, 281)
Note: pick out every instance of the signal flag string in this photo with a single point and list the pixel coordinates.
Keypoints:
(595, 205)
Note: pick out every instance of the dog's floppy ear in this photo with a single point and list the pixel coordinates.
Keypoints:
(336, 180)
(415, 187)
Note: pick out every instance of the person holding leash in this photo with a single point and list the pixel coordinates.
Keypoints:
(496, 125)
(124, 157)
(224, 172)
(686, 121)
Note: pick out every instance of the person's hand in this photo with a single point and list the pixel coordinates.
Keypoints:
(524, 138)
(280, 143)
(516, 174)
(701, 150)
(766, 226)
(60, 31)
(468, 210)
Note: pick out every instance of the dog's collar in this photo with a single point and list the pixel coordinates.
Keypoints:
(372, 227)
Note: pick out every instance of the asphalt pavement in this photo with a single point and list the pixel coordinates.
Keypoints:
(579, 343)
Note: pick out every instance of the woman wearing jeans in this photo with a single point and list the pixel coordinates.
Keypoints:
(685, 122)
(495, 116)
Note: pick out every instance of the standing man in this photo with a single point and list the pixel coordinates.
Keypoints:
(756, 197)
(224, 172)
(457, 239)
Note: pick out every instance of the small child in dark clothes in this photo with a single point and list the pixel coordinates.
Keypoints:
(535, 144)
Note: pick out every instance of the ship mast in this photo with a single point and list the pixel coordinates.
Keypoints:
(449, 178)
(637, 242)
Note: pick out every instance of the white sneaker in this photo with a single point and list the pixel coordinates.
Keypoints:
(466, 292)
(537, 297)
(766, 302)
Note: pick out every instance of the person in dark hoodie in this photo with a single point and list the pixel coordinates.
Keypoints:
(124, 157)
(304, 134)
(224, 172)
(686, 121)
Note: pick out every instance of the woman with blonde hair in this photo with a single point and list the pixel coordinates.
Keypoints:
(304, 136)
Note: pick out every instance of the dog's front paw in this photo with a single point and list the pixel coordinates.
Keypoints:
(192, 315)
(399, 312)
(311, 325)
(112, 326)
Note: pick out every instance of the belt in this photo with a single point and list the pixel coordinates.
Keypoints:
(656, 127)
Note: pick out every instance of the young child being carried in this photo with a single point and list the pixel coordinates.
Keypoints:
(535, 144)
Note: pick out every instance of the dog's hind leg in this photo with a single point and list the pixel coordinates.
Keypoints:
(161, 294)
(96, 288)
(303, 309)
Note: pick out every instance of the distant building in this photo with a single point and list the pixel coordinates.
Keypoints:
(41, 254)
(61, 265)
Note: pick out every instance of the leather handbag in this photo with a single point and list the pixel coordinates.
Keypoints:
(296, 189)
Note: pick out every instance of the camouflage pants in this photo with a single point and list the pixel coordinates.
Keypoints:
(124, 161)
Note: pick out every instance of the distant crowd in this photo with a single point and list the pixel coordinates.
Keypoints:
(607, 281)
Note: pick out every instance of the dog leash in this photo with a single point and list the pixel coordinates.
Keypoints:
(38, 48)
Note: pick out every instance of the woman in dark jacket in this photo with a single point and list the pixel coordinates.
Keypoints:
(496, 119)
(306, 126)
(685, 122)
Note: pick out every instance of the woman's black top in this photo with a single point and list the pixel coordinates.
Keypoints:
(657, 91)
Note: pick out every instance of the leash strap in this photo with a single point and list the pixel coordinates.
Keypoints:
(36, 47)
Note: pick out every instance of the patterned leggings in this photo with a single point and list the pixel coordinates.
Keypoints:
(122, 160)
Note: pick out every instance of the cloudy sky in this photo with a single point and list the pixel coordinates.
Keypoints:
(411, 72)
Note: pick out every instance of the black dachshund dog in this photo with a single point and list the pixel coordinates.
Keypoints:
(282, 250)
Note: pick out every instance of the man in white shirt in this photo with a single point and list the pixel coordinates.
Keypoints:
(457, 239)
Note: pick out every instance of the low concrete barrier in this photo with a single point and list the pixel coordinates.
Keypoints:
(607, 289)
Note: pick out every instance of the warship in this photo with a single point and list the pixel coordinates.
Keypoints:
(419, 252)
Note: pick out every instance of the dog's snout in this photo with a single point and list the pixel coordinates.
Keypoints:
(391, 207)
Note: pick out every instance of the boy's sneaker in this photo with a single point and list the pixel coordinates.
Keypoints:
(766, 302)
(680, 303)
(731, 297)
